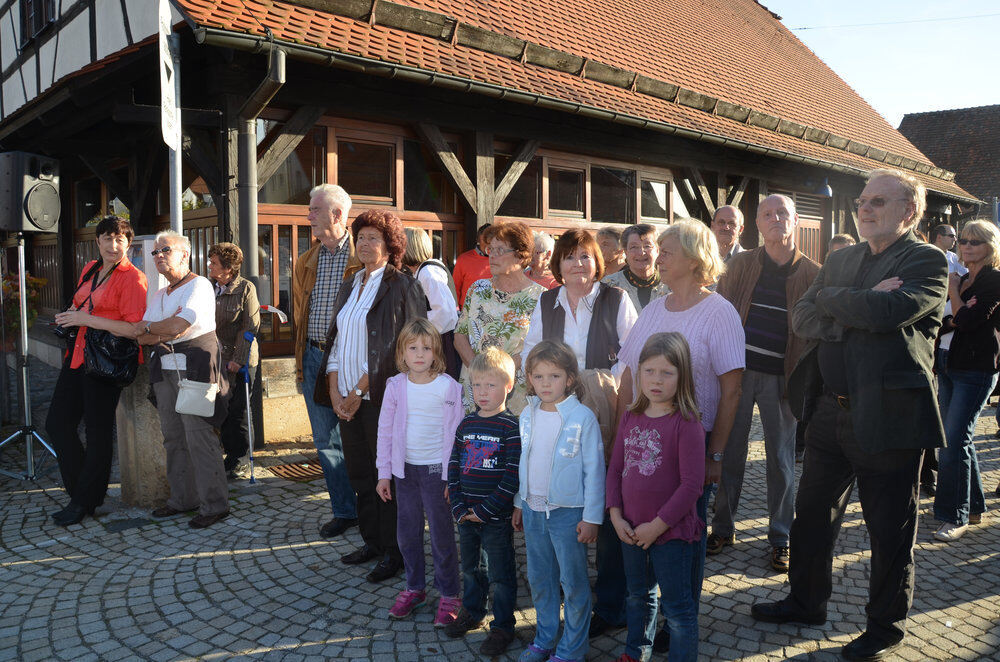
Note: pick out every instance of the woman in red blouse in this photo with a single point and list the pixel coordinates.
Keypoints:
(111, 296)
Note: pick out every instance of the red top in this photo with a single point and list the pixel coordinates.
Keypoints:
(547, 281)
(120, 297)
(470, 266)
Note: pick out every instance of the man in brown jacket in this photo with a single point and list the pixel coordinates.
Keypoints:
(319, 273)
(763, 285)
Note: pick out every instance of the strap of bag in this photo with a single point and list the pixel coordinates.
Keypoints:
(97, 283)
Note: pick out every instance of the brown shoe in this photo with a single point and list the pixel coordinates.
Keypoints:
(166, 511)
(716, 543)
(975, 518)
(779, 558)
(496, 642)
(204, 521)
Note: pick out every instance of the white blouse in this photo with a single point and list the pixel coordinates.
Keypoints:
(349, 355)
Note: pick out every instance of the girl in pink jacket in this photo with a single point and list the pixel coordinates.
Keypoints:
(421, 409)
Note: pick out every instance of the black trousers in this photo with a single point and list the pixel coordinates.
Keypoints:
(376, 518)
(234, 433)
(887, 486)
(86, 468)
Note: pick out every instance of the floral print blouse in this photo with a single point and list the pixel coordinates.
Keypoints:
(493, 318)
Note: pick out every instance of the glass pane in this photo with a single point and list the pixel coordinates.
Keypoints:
(264, 266)
(425, 187)
(566, 190)
(525, 199)
(303, 169)
(197, 195)
(654, 199)
(612, 194)
(88, 202)
(364, 169)
(305, 239)
(116, 206)
(284, 272)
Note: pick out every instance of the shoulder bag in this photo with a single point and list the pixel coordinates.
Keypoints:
(107, 357)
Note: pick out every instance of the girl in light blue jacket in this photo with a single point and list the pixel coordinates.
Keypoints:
(560, 503)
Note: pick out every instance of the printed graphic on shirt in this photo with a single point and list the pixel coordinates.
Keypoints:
(571, 433)
(643, 451)
(480, 451)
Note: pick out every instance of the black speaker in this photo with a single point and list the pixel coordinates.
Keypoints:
(29, 193)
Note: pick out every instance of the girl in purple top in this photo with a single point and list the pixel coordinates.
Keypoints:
(654, 481)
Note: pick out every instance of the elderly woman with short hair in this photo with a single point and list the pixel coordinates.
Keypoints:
(639, 277)
(439, 287)
(497, 310)
(609, 238)
(539, 270)
(360, 356)
(180, 325)
(237, 311)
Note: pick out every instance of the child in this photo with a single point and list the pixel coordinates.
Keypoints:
(654, 481)
(421, 408)
(560, 501)
(482, 481)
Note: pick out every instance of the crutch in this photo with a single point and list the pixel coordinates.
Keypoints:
(245, 371)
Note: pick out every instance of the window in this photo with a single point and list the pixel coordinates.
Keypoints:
(303, 169)
(566, 191)
(36, 15)
(425, 187)
(655, 200)
(612, 194)
(525, 199)
(366, 170)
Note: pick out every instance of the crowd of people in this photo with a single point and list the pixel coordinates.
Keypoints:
(585, 389)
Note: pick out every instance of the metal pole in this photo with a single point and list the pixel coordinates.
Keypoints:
(176, 205)
(26, 395)
(247, 192)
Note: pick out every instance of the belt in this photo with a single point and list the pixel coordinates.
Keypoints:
(842, 401)
(321, 346)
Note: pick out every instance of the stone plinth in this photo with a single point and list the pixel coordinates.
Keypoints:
(141, 456)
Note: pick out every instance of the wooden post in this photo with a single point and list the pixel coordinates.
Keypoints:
(485, 179)
(230, 228)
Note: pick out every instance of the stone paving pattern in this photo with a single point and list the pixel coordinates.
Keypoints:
(262, 585)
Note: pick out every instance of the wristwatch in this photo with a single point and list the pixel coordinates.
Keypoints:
(358, 392)
(715, 457)
(146, 328)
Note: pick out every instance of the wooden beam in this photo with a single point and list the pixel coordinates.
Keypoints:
(132, 113)
(446, 158)
(292, 133)
(485, 178)
(199, 153)
(117, 187)
(736, 193)
(721, 189)
(686, 192)
(149, 169)
(704, 198)
(515, 169)
(230, 168)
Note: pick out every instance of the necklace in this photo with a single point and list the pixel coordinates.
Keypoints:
(171, 288)
(636, 281)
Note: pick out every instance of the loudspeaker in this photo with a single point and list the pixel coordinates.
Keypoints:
(29, 193)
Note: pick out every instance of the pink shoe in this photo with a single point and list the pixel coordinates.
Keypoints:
(406, 602)
(447, 611)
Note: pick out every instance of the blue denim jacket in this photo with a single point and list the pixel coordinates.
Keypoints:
(578, 472)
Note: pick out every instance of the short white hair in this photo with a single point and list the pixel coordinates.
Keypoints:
(174, 237)
(335, 195)
(544, 242)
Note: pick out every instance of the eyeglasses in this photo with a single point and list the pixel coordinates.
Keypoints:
(499, 252)
(639, 250)
(971, 242)
(877, 202)
(160, 251)
(950, 236)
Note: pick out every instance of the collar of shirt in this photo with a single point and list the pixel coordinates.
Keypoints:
(588, 299)
(376, 275)
(344, 242)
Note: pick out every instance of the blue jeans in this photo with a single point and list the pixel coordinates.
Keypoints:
(555, 559)
(487, 552)
(670, 566)
(961, 396)
(326, 438)
(609, 589)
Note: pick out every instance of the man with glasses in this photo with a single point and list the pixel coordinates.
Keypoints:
(871, 318)
(943, 236)
(727, 226)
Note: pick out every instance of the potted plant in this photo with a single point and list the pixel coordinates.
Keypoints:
(12, 305)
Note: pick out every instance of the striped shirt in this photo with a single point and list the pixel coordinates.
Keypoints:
(482, 473)
(349, 356)
(766, 326)
(329, 276)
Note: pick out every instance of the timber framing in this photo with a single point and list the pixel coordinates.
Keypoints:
(286, 140)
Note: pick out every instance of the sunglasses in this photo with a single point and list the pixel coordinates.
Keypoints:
(877, 202)
(160, 251)
(971, 242)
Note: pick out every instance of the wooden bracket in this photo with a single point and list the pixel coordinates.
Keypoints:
(704, 198)
(735, 196)
(446, 158)
(518, 164)
(117, 187)
(291, 134)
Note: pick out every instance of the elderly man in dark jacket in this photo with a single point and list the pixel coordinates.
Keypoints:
(871, 318)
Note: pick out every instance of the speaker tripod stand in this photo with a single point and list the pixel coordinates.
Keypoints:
(27, 431)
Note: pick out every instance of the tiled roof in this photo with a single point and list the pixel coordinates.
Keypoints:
(964, 140)
(575, 51)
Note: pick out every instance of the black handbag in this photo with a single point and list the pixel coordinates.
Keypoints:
(110, 358)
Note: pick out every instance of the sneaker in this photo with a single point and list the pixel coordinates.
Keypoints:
(975, 518)
(496, 642)
(716, 543)
(406, 602)
(447, 611)
(462, 624)
(948, 532)
(779, 558)
(534, 654)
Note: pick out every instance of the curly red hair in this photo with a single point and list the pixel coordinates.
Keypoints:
(391, 227)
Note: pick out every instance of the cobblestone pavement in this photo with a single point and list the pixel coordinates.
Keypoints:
(262, 585)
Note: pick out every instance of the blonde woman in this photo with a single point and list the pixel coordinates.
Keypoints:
(969, 375)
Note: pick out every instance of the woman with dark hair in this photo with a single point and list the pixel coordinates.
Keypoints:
(237, 311)
(371, 309)
(497, 310)
(110, 295)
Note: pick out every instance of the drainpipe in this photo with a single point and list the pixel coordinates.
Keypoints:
(247, 159)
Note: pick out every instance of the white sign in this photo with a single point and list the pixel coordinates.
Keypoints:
(170, 114)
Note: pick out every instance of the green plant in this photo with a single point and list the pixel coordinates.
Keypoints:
(11, 301)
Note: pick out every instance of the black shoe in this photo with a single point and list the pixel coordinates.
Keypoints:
(661, 642)
(72, 514)
(336, 526)
(783, 612)
(497, 641)
(462, 624)
(599, 626)
(358, 556)
(385, 569)
(928, 490)
(869, 647)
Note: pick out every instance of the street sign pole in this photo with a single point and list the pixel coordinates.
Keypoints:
(170, 116)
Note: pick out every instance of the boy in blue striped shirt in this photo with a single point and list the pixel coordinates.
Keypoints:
(482, 482)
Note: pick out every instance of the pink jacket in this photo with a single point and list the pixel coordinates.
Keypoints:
(391, 449)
